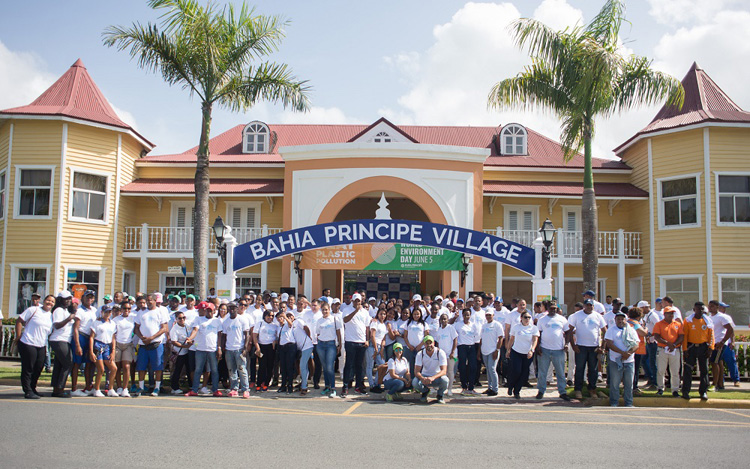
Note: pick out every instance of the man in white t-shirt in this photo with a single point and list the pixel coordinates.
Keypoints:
(587, 328)
(490, 344)
(591, 295)
(622, 342)
(608, 306)
(609, 316)
(554, 347)
(151, 330)
(355, 344)
(430, 368)
(723, 335)
(234, 339)
(651, 318)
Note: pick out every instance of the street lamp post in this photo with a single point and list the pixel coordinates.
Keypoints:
(465, 260)
(221, 231)
(297, 270)
(548, 235)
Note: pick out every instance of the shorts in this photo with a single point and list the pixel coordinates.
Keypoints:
(716, 354)
(83, 340)
(102, 351)
(125, 352)
(154, 358)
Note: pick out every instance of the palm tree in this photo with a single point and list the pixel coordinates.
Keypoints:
(214, 54)
(579, 74)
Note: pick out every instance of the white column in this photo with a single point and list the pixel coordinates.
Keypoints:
(621, 263)
(264, 265)
(541, 286)
(469, 285)
(225, 282)
(499, 269)
(143, 277)
(307, 280)
(455, 280)
(293, 279)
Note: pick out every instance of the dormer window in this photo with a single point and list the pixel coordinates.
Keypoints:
(513, 139)
(382, 137)
(255, 138)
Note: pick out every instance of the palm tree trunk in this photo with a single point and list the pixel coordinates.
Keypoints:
(201, 222)
(589, 218)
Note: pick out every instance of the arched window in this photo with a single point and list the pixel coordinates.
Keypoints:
(513, 139)
(255, 138)
(382, 137)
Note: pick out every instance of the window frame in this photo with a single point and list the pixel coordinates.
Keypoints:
(507, 208)
(663, 286)
(241, 276)
(14, 268)
(571, 208)
(525, 140)
(4, 192)
(718, 195)
(246, 133)
(721, 277)
(102, 277)
(71, 188)
(382, 137)
(660, 201)
(163, 281)
(17, 190)
(125, 288)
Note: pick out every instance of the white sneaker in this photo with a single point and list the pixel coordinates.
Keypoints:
(79, 393)
(119, 391)
(176, 392)
(91, 392)
(112, 393)
(155, 393)
(97, 393)
(124, 393)
(204, 390)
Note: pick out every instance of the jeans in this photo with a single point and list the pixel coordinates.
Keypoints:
(63, 363)
(202, 360)
(557, 358)
(651, 352)
(392, 386)
(32, 363)
(354, 366)
(378, 360)
(451, 372)
(410, 357)
(695, 353)
(304, 371)
(519, 371)
(621, 373)
(287, 356)
(441, 384)
(491, 365)
(327, 351)
(467, 365)
(586, 358)
(730, 359)
(236, 363)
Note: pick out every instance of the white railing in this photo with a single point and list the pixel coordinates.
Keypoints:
(569, 243)
(179, 239)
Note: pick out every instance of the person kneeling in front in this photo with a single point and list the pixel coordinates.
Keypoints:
(430, 368)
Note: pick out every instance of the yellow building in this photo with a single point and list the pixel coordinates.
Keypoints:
(84, 203)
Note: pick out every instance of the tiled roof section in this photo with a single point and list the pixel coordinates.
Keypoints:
(531, 188)
(543, 152)
(704, 102)
(75, 95)
(218, 186)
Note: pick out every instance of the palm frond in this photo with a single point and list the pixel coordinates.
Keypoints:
(269, 82)
(639, 85)
(604, 28)
(535, 87)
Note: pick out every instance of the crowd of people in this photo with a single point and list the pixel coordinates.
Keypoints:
(266, 340)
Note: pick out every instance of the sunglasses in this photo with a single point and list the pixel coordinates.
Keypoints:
(525, 317)
(181, 317)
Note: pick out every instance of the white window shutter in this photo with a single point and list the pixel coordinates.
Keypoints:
(528, 222)
(181, 217)
(572, 221)
(251, 217)
(513, 220)
(236, 218)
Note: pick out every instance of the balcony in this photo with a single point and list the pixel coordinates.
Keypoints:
(174, 239)
(613, 245)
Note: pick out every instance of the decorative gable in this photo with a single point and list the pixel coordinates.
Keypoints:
(382, 131)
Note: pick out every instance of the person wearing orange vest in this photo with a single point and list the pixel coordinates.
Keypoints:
(698, 343)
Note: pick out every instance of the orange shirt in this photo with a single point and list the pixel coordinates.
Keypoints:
(668, 331)
(641, 350)
(698, 331)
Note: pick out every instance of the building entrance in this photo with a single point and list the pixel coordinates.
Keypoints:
(396, 284)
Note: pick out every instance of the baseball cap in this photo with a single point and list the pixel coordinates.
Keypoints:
(459, 299)
(372, 298)
(182, 293)
(589, 293)
(323, 299)
(642, 303)
(658, 300)
(428, 338)
(210, 306)
(397, 346)
(190, 297)
(588, 301)
(723, 305)
(438, 298)
(36, 294)
(356, 296)
(617, 300)
(335, 301)
(107, 297)
(416, 297)
(274, 295)
(449, 303)
(284, 296)
(620, 313)
(498, 299)
(64, 294)
(88, 292)
(669, 309)
(201, 305)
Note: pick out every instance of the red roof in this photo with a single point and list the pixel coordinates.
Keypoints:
(602, 189)
(75, 95)
(218, 186)
(542, 151)
(704, 102)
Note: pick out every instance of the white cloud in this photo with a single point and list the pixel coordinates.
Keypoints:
(316, 115)
(688, 11)
(22, 77)
(125, 116)
(558, 14)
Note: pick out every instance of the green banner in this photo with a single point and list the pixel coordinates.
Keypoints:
(414, 257)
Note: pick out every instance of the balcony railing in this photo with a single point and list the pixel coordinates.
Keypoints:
(569, 243)
(179, 239)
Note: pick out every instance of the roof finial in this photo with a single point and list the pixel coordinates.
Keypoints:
(382, 213)
(79, 63)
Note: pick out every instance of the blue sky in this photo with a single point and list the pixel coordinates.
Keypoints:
(414, 62)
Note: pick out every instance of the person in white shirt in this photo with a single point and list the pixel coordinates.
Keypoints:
(151, 330)
(723, 335)
(83, 322)
(622, 342)
(101, 350)
(608, 306)
(490, 343)
(303, 336)
(63, 314)
(265, 338)
(729, 356)
(447, 340)
(233, 338)
(598, 307)
(429, 371)
(413, 332)
(651, 318)
(206, 336)
(287, 351)
(586, 328)
(376, 350)
(327, 329)
(124, 348)
(522, 343)
(355, 344)
(32, 329)
(553, 345)
(468, 335)
(397, 377)
(667, 301)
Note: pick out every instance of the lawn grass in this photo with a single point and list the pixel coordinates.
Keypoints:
(728, 393)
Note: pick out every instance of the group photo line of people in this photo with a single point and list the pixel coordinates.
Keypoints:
(269, 342)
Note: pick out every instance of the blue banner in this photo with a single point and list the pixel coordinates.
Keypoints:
(453, 238)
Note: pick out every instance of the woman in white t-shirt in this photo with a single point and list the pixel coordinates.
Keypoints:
(398, 376)
(376, 351)
(36, 323)
(414, 331)
(521, 346)
(391, 332)
(63, 315)
(468, 335)
(265, 338)
(287, 351)
(447, 340)
(328, 329)
(102, 350)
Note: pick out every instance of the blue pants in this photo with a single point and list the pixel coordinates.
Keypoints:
(327, 351)
(392, 386)
(651, 351)
(355, 363)
(378, 360)
(441, 384)
(491, 365)
(304, 371)
(467, 365)
(622, 373)
(730, 359)
(557, 358)
(236, 363)
(586, 358)
(150, 359)
(210, 361)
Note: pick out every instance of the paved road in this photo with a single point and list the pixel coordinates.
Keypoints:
(320, 432)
